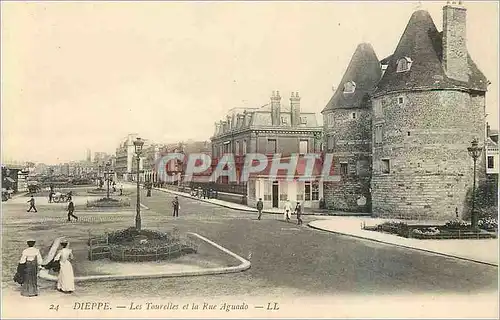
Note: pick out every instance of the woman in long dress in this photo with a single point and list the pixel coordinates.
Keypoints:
(66, 279)
(32, 261)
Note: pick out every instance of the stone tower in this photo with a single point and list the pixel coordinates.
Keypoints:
(347, 133)
(427, 108)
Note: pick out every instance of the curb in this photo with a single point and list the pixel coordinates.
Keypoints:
(244, 209)
(244, 265)
(404, 246)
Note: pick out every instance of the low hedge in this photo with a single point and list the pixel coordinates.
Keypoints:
(108, 202)
(455, 229)
(139, 245)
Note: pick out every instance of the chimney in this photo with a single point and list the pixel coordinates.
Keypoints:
(238, 120)
(276, 109)
(217, 128)
(295, 109)
(244, 119)
(229, 124)
(488, 130)
(455, 61)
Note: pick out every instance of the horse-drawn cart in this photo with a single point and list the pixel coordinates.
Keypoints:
(59, 197)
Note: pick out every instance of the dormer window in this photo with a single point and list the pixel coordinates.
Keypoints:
(349, 87)
(284, 120)
(303, 120)
(404, 64)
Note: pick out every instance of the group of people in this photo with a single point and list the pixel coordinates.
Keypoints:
(70, 208)
(287, 211)
(31, 264)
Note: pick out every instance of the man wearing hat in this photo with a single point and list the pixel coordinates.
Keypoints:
(32, 204)
(176, 206)
(71, 209)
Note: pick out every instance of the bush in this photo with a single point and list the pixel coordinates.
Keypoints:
(141, 245)
(457, 224)
(108, 203)
(131, 234)
(488, 224)
(427, 231)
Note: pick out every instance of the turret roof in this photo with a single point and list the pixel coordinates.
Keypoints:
(423, 44)
(364, 71)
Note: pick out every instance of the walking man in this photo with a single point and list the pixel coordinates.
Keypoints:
(149, 185)
(298, 211)
(50, 196)
(32, 204)
(260, 206)
(288, 211)
(176, 206)
(71, 209)
(121, 189)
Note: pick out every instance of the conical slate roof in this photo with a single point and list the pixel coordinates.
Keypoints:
(422, 43)
(364, 70)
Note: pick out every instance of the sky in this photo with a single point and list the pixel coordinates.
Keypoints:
(79, 76)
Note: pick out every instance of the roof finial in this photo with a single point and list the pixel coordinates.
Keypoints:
(418, 6)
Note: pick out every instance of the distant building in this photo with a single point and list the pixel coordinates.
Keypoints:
(125, 167)
(492, 155)
(88, 155)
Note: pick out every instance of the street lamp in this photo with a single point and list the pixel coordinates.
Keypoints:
(474, 151)
(138, 149)
(108, 164)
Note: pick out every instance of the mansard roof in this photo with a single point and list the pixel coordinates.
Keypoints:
(364, 70)
(423, 44)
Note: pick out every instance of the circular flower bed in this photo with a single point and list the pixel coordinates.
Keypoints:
(141, 245)
(108, 203)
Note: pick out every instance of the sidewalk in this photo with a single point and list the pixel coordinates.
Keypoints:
(241, 207)
(482, 251)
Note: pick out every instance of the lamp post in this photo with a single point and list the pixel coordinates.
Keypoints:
(138, 149)
(474, 151)
(107, 178)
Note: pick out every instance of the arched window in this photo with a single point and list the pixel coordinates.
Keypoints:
(404, 64)
(349, 87)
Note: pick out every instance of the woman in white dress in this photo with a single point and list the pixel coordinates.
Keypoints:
(66, 279)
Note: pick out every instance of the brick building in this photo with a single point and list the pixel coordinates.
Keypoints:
(270, 129)
(427, 107)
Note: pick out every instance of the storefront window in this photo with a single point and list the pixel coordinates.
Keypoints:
(267, 190)
(300, 191)
(315, 190)
(307, 191)
(283, 192)
(251, 192)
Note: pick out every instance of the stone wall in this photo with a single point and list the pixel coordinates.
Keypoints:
(352, 146)
(425, 136)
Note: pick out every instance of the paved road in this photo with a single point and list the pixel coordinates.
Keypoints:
(286, 259)
(300, 259)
